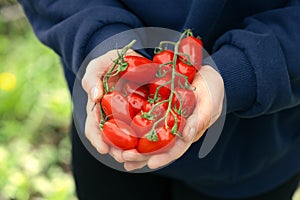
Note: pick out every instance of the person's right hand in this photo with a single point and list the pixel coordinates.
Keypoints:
(209, 94)
(93, 86)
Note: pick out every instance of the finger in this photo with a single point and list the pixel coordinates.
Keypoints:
(134, 155)
(130, 166)
(91, 82)
(94, 71)
(199, 121)
(116, 154)
(160, 160)
(94, 134)
(215, 87)
(97, 112)
(196, 125)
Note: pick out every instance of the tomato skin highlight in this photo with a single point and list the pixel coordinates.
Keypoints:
(139, 69)
(193, 47)
(136, 102)
(163, 57)
(141, 125)
(165, 141)
(132, 88)
(119, 134)
(188, 101)
(115, 106)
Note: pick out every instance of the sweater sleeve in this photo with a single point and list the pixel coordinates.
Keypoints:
(260, 63)
(72, 28)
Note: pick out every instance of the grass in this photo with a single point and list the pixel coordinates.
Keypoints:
(35, 112)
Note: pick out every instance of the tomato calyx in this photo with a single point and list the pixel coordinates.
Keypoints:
(152, 136)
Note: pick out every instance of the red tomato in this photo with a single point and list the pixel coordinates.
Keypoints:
(163, 57)
(164, 90)
(158, 112)
(180, 122)
(139, 69)
(193, 47)
(187, 70)
(115, 106)
(119, 134)
(141, 125)
(132, 88)
(188, 101)
(165, 140)
(136, 102)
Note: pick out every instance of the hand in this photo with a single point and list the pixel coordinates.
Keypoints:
(209, 94)
(93, 86)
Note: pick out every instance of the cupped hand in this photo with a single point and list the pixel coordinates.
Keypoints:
(209, 95)
(93, 86)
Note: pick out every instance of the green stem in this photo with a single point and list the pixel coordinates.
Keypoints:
(102, 117)
(118, 61)
(174, 62)
(155, 106)
(161, 73)
(165, 43)
(180, 104)
(151, 135)
(175, 126)
(158, 88)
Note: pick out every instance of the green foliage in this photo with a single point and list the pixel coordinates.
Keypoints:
(34, 118)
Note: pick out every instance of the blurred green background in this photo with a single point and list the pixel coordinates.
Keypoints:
(35, 110)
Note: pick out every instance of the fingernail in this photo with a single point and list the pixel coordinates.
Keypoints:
(95, 92)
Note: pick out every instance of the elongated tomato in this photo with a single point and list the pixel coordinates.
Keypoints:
(115, 106)
(139, 69)
(192, 47)
(119, 134)
(165, 140)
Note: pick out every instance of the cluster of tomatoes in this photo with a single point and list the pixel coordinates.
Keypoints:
(146, 102)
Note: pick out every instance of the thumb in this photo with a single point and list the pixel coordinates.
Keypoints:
(97, 91)
(196, 125)
(93, 87)
(91, 81)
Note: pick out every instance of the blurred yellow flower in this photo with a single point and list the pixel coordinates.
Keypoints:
(7, 81)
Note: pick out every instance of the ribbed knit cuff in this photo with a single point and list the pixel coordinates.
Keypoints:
(238, 75)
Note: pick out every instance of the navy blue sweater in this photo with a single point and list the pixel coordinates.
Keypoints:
(256, 46)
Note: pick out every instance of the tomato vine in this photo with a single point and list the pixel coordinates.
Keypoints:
(167, 87)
